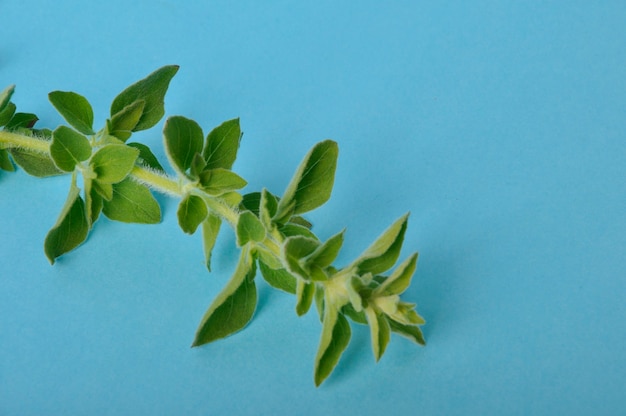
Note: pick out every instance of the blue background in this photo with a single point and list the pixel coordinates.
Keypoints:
(501, 126)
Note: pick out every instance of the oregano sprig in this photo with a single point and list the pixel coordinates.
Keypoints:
(119, 176)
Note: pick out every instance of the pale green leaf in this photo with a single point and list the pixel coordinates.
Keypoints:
(183, 139)
(278, 278)
(409, 331)
(249, 228)
(5, 96)
(379, 332)
(124, 121)
(312, 183)
(291, 230)
(113, 162)
(325, 254)
(210, 230)
(222, 143)
(295, 249)
(36, 164)
(400, 279)
(68, 148)
(233, 308)
(146, 157)
(219, 181)
(132, 202)
(6, 114)
(71, 228)
(191, 212)
(335, 338)
(304, 295)
(152, 91)
(384, 252)
(75, 109)
(105, 190)
(267, 208)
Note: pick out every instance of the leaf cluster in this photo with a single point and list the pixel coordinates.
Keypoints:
(271, 232)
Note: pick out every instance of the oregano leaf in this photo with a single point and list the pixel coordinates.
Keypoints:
(6, 114)
(234, 307)
(5, 96)
(36, 164)
(379, 332)
(267, 208)
(210, 230)
(21, 120)
(411, 332)
(249, 228)
(5, 161)
(183, 139)
(221, 145)
(105, 190)
(304, 295)
(400, 279)
(75, 109)
(71, 228)
(132, 202)
(312, 183)
(295, 249)
(384, 252)
(336, 335)
(124, 121)
(152, 91)
(68, 147)
(325, 254)
(146, 157)
(113, 162)
(278, 278)
(191, 212)
(218, 181)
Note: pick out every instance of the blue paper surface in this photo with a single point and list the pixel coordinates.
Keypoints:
(499, 125)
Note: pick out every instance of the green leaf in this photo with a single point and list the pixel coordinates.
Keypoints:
(75, 109)
(335, 338)
(249, 228)
(291, 230)
(267, 208)
(384, 252)
(21, 120)
(124, 121)
(96, 202)
(218, 181)
(233, 308)
(222, 143)
(105, 190)
(197, 165)
(132, 202)
(113, 162)
(5, 96)
(152, 91)
(409, 331)
(304, 294)
(312, 183)
(5, 161)
(210, 230)
(36, 164)
(400, 279)
(379, 331)
(191, 212)
(358, 317)
(71, 228)
(251, 202)
(68, 148)
(183, 139)
(6, 114)
(146, 157)
(324, 255)
(278, 278)
(294, 250)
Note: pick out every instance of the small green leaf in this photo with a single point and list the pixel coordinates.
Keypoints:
(5, 161)
(146, 157)
(68, 148)
(75, 109)
(6, 114)
(384, 252)
(5, 96)
(222, 143)
(21, 120)
(312, 183)
(325, 254)
(124, 121)
(291, 230)
(183, 139)
(132, 202)
(409, 331)
(105, 190)
(210, 230)
(113, 162)
(336, 335)
(218, 181)
(304, 294)
(251, 202)
(233, 308)
(267, 208)
(152, 91)
(358, 317)
(295, 249)
(71, 228)
(96, 202)
(249, 228)
(197, 165)
(191, 212)
(379, 331)
(400, 279)
(36, 164)
(278, 278)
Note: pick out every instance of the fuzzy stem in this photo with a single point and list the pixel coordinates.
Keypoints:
(12, 140)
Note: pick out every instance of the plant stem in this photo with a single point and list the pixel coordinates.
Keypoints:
(13, 140)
